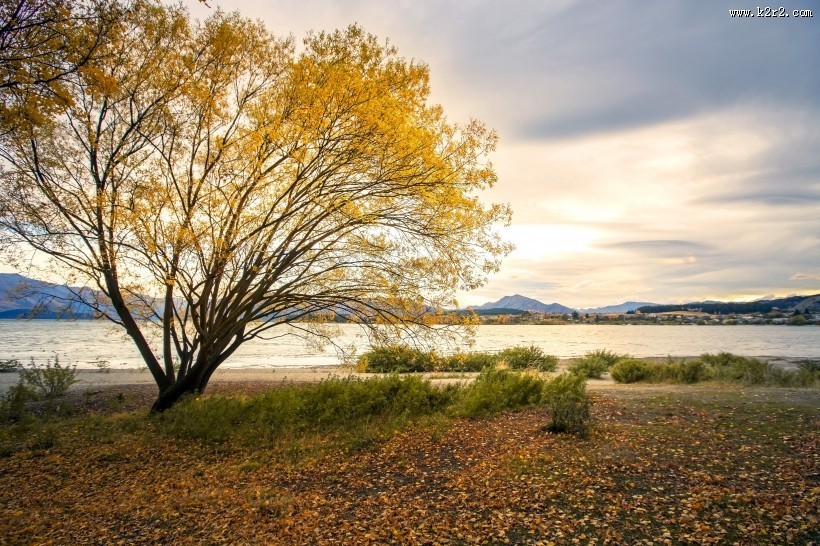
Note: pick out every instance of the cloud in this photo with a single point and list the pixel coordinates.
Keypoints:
(805, 277)
(664, 248)
(661, 151)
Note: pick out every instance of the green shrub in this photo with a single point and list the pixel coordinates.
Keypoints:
(692, 371)
(630, 370)
(532, 357)
(739, 369)
(809, 365)
(594, 364)
(605, 355)
(51, 380)
(566, 398)
(338, 401)
(468, 362)
(398, 359)
(591, 368)
(804, 378)
(722, 360)
(402, 359)
(13, 403)
(494, 391)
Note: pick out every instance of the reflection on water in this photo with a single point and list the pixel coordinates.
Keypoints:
(84, 342)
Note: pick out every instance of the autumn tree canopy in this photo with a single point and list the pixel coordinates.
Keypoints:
(41, 43)
(218, 181)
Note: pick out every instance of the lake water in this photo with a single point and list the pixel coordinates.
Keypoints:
(83, 342)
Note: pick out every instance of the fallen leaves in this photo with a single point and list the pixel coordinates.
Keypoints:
(662, 471)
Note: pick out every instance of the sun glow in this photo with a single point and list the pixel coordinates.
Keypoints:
(543, 240)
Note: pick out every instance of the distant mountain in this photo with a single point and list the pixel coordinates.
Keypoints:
(522, 303)
(622, 308)
(810, 304)
(21, 297)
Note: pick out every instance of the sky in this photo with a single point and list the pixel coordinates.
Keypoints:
(651, 151)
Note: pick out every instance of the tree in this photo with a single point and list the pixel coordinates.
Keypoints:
(214, 182)
(42, 42)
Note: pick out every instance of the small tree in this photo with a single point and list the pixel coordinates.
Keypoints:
(50, 380)
(211, 181)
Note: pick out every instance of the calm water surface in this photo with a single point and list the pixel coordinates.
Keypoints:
(83, 342)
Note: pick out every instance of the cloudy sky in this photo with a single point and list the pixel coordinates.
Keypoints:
(651, 151)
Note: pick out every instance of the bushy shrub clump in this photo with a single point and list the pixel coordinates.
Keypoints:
(398, 359)
(809, 365)
(566, 398)
(496, 390)
(468, 362)
(532, 357)
(630, 370)
(13, 402)
(738, 369)
(50, 380)
(402, 359)
(594, 364)
(726, 367)
(690, 371)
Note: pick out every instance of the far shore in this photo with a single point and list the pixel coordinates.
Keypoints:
(89, 380)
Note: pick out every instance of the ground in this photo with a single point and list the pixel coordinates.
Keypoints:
(661, 464)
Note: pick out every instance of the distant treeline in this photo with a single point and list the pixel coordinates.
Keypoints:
(727, 308)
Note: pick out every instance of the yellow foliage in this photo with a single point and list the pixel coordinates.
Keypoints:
(276, 183)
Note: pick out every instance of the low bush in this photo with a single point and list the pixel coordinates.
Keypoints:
(594, 364)
(495, 390)
(13, 403)
(722, 360)
(402, 359)
(50, 380)
(605, 355)
(568, 403)
(352, 400)
(468, 362)
(398, 359)
(725, 367)
(532, 357)
(739, 369)
(590, 368)
(809, 365)
(691, 371)
(631, 370)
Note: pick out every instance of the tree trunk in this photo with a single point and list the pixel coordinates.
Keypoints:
(190, 384)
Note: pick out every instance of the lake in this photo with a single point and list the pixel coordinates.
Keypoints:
(83, 342)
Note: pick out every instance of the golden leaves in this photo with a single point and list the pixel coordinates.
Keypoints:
(635, 480)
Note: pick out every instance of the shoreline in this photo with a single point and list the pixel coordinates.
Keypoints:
(89, 379)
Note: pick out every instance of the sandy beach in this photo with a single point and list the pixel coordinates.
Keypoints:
(90, 380)
(96, 379)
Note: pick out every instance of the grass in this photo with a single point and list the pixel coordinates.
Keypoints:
(694, 463)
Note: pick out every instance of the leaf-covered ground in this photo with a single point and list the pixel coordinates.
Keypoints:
(695, 465)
